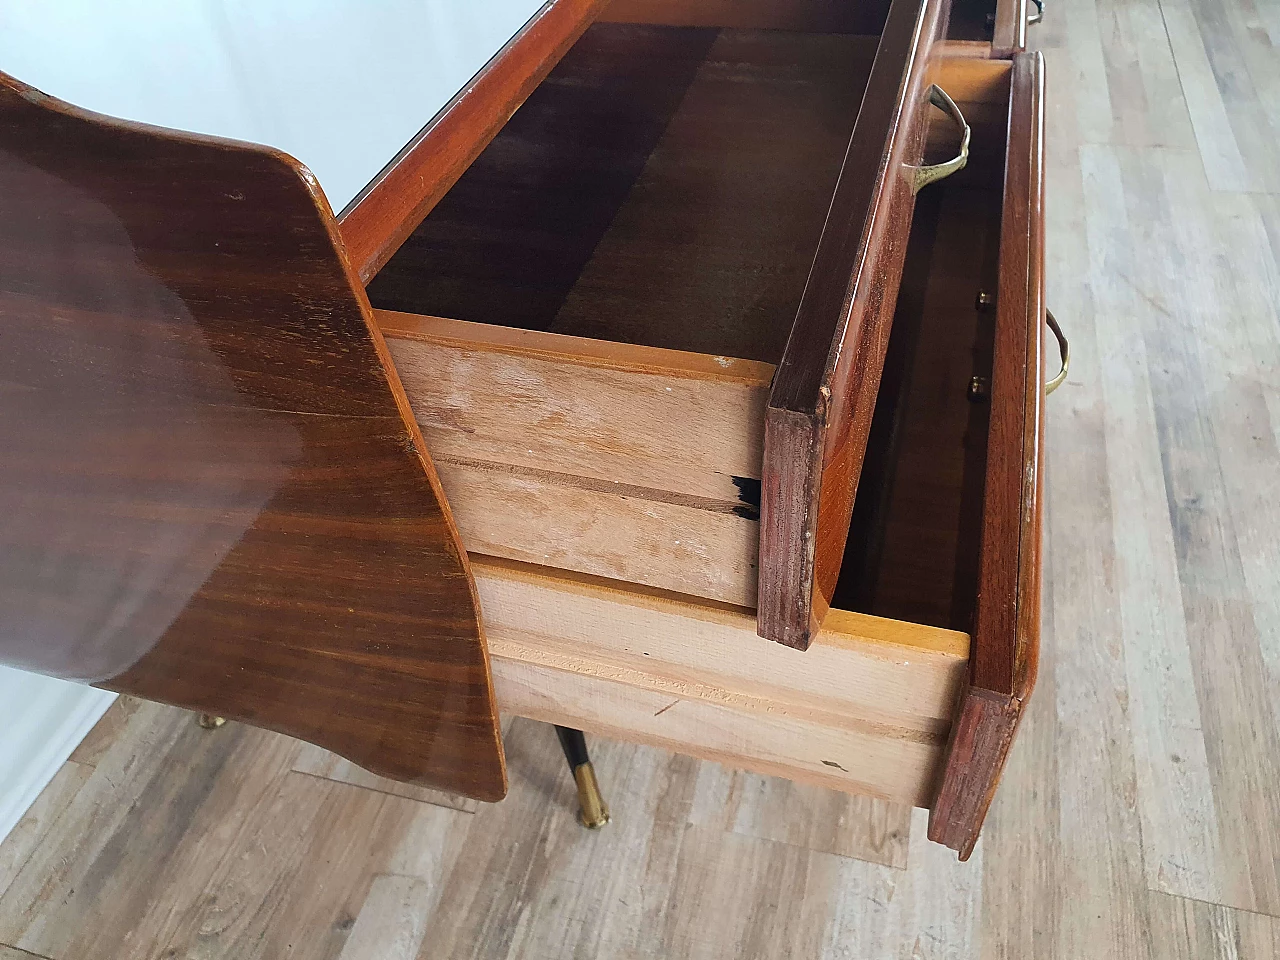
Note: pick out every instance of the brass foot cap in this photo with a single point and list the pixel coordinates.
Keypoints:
(210, 722)
(592, 811)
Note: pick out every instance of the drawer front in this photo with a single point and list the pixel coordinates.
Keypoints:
(865, 710)
(824, 391)
(1006, 634)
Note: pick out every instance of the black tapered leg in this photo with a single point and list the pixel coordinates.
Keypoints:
(592, 811)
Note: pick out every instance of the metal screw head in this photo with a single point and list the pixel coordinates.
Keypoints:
(979, 389)
(210, 722)
(983, 300)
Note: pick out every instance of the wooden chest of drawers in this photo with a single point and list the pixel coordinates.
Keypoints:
(592, 329)
(726, 346)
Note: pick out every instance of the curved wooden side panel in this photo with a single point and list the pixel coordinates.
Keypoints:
(213, 492)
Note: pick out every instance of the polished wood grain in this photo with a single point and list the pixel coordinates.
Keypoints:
(384, 213)
(824, 393)
(1006, 628)
(219, 497)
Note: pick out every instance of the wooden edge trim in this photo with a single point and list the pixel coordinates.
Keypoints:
(818, 414)
(385, 212)
(1009, 446)
(976, 753)
(559, 347)
(988, 719)
(791, 479)
(1010, 34)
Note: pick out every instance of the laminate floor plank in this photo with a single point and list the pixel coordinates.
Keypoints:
(769, 808)
(1182, 850)
(1139, 815)
(1206, 367)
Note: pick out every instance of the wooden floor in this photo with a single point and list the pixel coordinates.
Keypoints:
(1140, 816)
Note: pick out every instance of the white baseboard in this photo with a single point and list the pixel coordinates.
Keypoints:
(41, 723)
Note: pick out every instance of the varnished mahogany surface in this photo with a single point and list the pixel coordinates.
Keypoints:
(1006, 631)
(824, 392)
(214, 495)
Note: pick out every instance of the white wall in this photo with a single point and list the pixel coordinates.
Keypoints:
(340, 84)
(41, 721)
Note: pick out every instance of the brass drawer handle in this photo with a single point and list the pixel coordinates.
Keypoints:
(928, 174)
(1064, 350)
(1039, 14)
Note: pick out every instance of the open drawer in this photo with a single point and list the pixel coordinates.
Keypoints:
(634, 466)
(684, 251)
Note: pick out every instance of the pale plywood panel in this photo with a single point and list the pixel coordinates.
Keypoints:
(675, 422)
(604, 530)
(858, 760)
(866, 708)
(868, 670)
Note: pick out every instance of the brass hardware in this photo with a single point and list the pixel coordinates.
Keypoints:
(1064, 351)
(592, 811)
(928, 174)
(979, 389)
(1039, 14)
(210, 722)
(983, 300)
